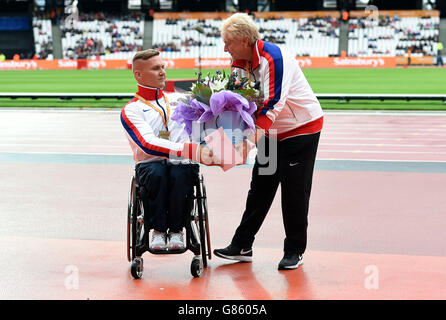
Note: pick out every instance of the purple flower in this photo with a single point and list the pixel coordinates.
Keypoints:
(187, 113)
(228, 100)
(194, 110)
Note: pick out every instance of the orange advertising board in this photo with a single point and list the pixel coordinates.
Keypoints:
(392, 13)
(193, 63)
(296, 14)
(214, 63)
(426, 60)
(62, 64)
(347, 62)
(191, 15)
(304, 62)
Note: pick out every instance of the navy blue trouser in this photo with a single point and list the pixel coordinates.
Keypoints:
(165, 190)
(295, 164)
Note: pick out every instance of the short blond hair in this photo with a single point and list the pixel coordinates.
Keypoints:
(146, 54)
(239, 26)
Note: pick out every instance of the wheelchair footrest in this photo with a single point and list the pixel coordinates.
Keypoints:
(166, 251)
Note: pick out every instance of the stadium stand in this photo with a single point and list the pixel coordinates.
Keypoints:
(393, 36)
(102, 36)
(43, 39)
(178, 38)
(316, 37)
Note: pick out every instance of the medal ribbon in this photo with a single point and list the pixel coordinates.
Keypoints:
(248, 72)
(163, 114)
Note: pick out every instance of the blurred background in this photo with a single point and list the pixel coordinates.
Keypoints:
(345, 47)
(115, 29)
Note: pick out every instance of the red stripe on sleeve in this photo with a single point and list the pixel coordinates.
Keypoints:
(141, 140)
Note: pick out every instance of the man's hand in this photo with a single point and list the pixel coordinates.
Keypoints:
(207, 158)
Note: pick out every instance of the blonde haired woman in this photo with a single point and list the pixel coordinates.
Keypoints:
(240, 25)
(290, 114)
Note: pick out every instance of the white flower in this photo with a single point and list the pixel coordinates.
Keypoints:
(218, 85)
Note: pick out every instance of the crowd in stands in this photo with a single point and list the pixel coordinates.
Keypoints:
(179, 38)
(393, 36)
(317, 36)
(43, 40)
(98, 35)
(106, 36)
(274, 35)
(185, 38)
(325, 25)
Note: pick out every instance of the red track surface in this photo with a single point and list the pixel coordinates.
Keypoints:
(372, 234)
(414, 137)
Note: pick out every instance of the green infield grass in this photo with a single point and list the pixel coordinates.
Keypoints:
(348, 80)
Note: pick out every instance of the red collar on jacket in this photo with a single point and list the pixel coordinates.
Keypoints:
(240, 63)
(149, 93)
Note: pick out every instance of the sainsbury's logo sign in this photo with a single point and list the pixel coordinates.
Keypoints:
(67, 63)
(306, 62)
(213, 62)
(22, 65)
(359, 62)
(96, 64)
(169, 63)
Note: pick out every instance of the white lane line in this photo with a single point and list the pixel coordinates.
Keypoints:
(385, 133)
(337, 113)
(377, 160)
(323, 137)
(384, 145)
(34, 145)
(71, 153)
(381, 152)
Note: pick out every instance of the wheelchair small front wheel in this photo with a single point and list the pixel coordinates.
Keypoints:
(196, 267)
(137, 268)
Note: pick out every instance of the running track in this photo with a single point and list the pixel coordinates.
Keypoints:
(376, 225)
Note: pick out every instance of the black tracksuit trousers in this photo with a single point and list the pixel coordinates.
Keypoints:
(294, 171)
(165, 189)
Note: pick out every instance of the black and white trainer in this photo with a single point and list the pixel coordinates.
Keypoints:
(291, 261)
(234, 253)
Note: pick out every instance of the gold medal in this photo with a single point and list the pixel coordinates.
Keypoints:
(164, 134)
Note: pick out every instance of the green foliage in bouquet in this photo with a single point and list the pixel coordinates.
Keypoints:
(203, 89)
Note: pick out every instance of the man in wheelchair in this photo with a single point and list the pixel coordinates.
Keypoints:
(165, 159)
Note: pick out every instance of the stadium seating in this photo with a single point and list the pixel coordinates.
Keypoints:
(177, 38)
(393, 36)
(315, 37)
(43, 39)
(105, 38)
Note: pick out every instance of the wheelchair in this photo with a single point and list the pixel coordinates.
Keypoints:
(197, 229)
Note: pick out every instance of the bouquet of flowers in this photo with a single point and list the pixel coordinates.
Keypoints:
(220, 101)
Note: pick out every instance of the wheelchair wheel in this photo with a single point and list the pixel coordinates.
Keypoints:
(137, 268)
(196, 267)
(206, 220)
(203, 227)
(130, 220)
(135, 222)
